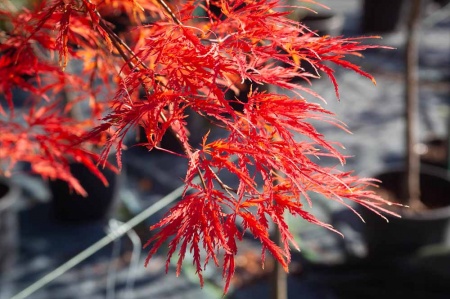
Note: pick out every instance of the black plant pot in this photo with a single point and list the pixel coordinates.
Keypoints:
(442, 3)
(434, 152)
(382, 16)
(403, 237)
(9, 230)
(69, 206)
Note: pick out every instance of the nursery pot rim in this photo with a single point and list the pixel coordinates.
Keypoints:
(423, 215)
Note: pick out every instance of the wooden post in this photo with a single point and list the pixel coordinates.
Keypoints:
(412, 186)
(278, 285)
(278, 277)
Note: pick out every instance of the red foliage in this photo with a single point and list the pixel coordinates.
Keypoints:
(169, 59)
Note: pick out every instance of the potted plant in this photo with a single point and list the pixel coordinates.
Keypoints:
(170, 62)
(423, 188)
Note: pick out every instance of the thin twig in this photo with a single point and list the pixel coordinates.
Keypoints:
(169, 11)
(222, 184)
(121, 43)
(118, 43)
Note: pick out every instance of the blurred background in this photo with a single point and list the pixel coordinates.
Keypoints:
(35, 240)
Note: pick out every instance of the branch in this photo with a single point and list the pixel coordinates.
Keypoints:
(169, 11)
(118, 43)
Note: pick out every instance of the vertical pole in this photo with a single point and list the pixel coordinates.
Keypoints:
(279, 276)
(447, 153)
(412, 190)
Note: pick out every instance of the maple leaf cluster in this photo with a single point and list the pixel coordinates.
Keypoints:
(148, 64)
